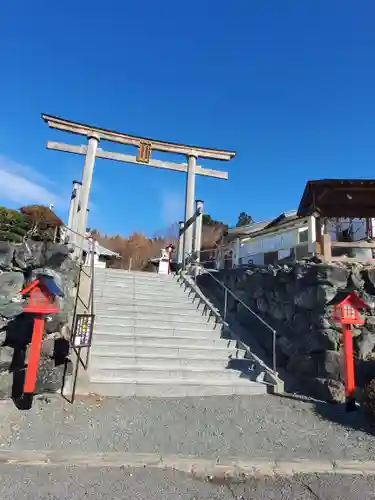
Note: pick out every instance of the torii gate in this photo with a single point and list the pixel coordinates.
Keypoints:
(145, 146)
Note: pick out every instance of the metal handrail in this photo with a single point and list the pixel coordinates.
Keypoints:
(248, 308)
(91, 252)
(88, 305)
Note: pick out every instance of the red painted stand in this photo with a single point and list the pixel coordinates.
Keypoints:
(346, 313)
(34, 355)
(348, 367)
(41, 302)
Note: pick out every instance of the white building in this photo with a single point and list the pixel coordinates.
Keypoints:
(288, 237)
(101, 254)
(285, 237)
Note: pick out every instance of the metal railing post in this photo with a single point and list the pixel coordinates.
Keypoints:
(225, 303)
(274, 351)
(180, 251)
(197, 242)
(266, 374)
(227, 292)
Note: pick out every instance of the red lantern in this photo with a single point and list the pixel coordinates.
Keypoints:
(41, 300)
(346, 313)
(42, 294)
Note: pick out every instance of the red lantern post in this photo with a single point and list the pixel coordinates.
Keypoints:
(42, 293)
(346, 312)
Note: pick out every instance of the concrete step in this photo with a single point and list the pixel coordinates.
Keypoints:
(149, 338)
(111, 317)
(135, 279)
(128, 285)
(136, 311)
(167, 362)
(176, 302)
(146, 372)
(185, 323)
(156, 331)
(127, 387)
(147, 293)
(138, 275)
(134, 305)
(102, 348)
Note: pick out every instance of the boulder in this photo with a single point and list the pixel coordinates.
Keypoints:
(30, 254)
(326, 389)
(56, 254)
(365, 343)
(11, 283)
(6, 255)
(368, 402)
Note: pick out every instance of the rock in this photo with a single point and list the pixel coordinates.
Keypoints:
(314, 296)
(328, 274)
(302, 365)
(286, 346)
(365, 343)
(11, 283)
(324, 365)
(30, 254)
(11, 310)
(330, 364)
(56, 255)
(369, 277)
(356, 277)
(6, 255)
(368, 402)
(6, 356)
(6, 382)
(326, 389)
(370, 323)
(262, 305)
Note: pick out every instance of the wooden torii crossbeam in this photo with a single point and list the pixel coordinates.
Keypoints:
(145, 147)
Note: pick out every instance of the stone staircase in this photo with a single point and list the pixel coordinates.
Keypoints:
(151, 339)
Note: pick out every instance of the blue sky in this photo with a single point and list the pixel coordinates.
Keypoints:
(288, 84)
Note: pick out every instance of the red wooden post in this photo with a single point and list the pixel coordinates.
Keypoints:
(34, 355)
(346, 312)
(42, 293)
(348, 366)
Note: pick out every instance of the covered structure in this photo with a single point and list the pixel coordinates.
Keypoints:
(352, 198)
(344, 215)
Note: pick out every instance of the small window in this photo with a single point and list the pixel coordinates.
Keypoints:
(303, 236)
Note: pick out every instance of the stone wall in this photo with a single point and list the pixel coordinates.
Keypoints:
(295, 300)
(18, 265)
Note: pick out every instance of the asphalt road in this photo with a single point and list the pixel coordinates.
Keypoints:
(75, 483)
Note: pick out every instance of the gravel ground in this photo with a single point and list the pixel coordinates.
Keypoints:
(36, 483)
(262, 427)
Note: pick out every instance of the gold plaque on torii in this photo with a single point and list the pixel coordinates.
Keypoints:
(144, 152)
